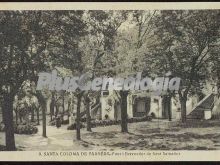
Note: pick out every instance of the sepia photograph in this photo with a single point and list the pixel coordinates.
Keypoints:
(109, 80)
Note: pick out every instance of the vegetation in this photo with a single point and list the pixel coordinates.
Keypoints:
(101, 43)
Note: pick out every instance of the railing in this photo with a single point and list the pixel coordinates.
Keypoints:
(206, 103)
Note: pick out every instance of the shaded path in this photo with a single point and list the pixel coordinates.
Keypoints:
(141, 136)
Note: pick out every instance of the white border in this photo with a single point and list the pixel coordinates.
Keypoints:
(108, 5)
(184, 155)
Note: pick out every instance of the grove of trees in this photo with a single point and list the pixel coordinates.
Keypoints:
(103, 43)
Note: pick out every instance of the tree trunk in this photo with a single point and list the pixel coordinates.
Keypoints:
(63, 104)
(43, 105)
(88, 116)
(183, 109)
(2, 106)
(57, 110)
(218, 85)
(52, 105)
(38, 116)
(124, 126)
(2, 112)
(79, 97)
(20, 117)
(166, 107)
(44, 134)
(32, 115)
(16, 116)
(9, 124)
(68, 108)
(169, 108)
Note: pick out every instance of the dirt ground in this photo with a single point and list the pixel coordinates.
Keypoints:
(151, 135)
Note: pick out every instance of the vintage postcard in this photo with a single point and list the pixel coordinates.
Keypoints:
(109, 81)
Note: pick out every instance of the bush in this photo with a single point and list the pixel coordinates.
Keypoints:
(2, 148)
(25, 129)
(139, 119)
(103, 123)
(73, 126)
(96, 123)
(21, 129)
